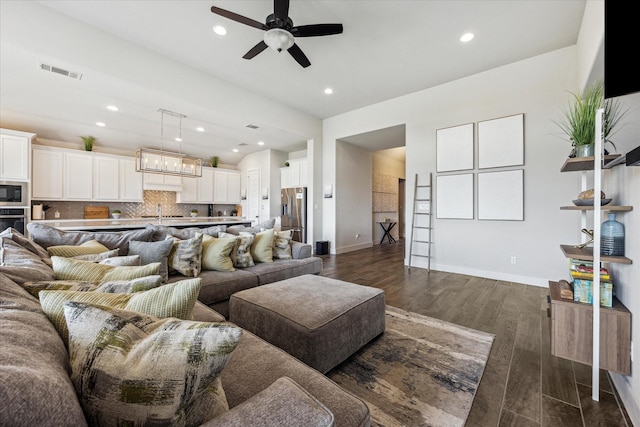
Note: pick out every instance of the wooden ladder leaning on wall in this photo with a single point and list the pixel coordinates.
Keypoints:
(422, 204)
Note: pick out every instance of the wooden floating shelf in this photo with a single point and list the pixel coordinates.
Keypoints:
(573, 164)
(610, 208)
(586, 254)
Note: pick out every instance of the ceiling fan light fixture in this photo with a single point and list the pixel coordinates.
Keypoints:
(278, 39)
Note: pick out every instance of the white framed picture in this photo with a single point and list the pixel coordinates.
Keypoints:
(501, 195)
(501, 142)
(454, 196)
(454, 148)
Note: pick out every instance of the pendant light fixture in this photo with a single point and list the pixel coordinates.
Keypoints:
(151, 160)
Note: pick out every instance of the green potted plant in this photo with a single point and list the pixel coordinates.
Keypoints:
(88, 142)
(579, 119)
(214, 161)
(116, 213)
(194, 212)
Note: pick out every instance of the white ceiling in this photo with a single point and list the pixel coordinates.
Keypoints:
(143, 55)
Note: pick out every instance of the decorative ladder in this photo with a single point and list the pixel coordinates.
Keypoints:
(421, 207)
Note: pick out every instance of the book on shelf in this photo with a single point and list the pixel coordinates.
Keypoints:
(589, 276)
(583, 292)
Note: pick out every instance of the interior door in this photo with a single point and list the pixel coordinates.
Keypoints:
(253, 194)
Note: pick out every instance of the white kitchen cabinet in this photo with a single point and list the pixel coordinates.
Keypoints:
(197, 190)
(47, 177)
(15, 153)
(106, 178)
(160, 182)
(226, 187)
(189, 192)
(303, 171)
(78, 176)
(294, 175)
(130, 181)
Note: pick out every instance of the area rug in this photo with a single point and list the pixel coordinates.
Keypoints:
(420, 372)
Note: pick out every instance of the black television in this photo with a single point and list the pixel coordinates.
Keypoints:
(621, 72)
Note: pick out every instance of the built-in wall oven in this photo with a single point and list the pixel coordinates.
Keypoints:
(13, 217)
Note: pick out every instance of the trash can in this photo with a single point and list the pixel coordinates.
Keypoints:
(322, 247)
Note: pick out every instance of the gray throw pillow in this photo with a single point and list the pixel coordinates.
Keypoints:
(153, 252)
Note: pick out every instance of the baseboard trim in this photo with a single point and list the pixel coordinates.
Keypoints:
(351, 248)
(625, 393)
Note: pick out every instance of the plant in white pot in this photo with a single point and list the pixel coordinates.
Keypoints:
(579, 119)
(194, 213)
(116, 213)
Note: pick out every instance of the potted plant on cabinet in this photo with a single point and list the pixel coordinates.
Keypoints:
(88, 142)
(194, 213)
(116, 213)
(579, 119)
(214, 161)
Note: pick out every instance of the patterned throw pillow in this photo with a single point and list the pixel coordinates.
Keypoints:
(73, 269)
(114, 287)
(185, 256)
(241, 253)
(130, 286)
(262, 245)
(133, 369)
(171, 300)
(123, 261)
(282, 244)
(87, 248)
(216, 253)
(34, 288)
(97, 257)
(153, 252)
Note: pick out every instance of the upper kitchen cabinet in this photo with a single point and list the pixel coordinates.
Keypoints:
(158, 181)
(78, 176)
(15, 153)
(294, 175)
(226, 187)
(197, 190)
(47, 177)
(130, 181)
(106, 178)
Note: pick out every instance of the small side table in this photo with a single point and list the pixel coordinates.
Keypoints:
(387, 226)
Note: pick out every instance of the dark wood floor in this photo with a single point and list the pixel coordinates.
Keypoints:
(523, 384)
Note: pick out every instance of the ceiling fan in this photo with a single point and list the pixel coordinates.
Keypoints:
(279, 31)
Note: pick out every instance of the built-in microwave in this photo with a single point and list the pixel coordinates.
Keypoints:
(13, 193)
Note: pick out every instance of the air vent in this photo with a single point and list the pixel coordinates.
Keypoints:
(61, 71)
(250, 126)
(242, 144)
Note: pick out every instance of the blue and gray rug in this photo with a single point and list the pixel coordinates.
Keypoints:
(420, 372)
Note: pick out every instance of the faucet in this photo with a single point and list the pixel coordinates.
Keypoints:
(159, 213)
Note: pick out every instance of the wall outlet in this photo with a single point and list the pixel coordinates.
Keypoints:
(357, 236)
(513, 260)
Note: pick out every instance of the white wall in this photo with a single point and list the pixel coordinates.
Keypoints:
(264, 161)
(536, 87)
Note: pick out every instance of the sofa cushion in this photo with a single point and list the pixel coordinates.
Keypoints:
(151, 252)
(73, 269)
(21, 264)
(262, 245)
(282, 244)
(216, 253)
(266, 225)
(47, 236)
(241, 254)
(35, 388)
(281, 269)
(185, 256)
(90, 247)
(173, 300)
(23, 241)
(219, 285)
(133, 369)
(160, 231)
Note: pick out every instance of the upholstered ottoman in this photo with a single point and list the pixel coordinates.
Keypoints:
(320, 321)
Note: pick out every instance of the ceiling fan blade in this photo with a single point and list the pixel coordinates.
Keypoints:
(239, 18)
(316, 30)
(299, 56)
(255, 50)
(281, 9)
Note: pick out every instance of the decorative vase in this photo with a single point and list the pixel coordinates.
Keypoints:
(585, 150)
(612, 237)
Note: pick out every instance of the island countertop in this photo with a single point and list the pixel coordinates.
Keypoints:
(134, 223)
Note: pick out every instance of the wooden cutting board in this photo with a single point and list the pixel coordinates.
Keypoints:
(96, 212)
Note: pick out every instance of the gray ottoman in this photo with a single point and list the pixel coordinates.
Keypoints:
(320, 321)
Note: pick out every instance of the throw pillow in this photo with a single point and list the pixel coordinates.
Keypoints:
(153, 252)
(87, 248)
(130, 286)
(114, 287)
(34, 288)
(216, 253)
(97, 257)
(282, 244)
(241, 253)
(124, 261)
(262, 245)
(186, 256)
(73, 269)
(171, 300)
(133, 369)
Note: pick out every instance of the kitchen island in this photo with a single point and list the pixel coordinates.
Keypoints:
(138, 223)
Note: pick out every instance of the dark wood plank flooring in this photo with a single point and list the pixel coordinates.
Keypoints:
(523, 384)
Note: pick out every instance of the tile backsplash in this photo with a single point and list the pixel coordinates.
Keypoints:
(149, 207)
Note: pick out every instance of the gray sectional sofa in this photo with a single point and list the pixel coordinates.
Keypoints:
(264, 386)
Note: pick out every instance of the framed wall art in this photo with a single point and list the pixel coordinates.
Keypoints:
(501, 142)
(454, 196)
(454, 148)
(501, 195)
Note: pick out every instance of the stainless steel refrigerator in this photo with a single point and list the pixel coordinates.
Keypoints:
(293, 212)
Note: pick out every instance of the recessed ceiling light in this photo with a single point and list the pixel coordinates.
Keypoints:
(328, 91)
(235, 150)
(200, 129)
(467, 37)
(260, 142)
(112, 108)
(101, 124)
(220, 30)
(178, 139)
